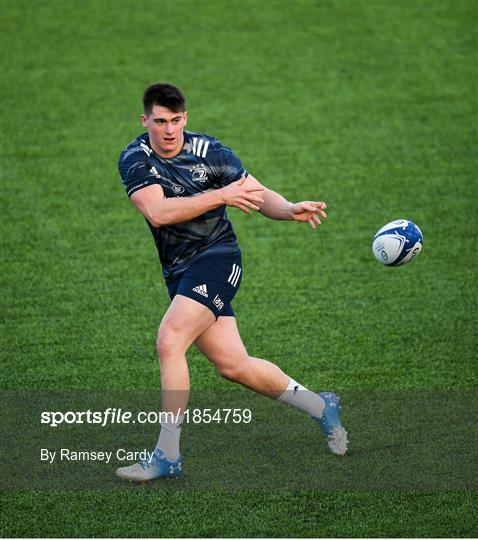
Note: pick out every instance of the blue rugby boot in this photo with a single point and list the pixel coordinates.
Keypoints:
(157, 467)
(330, 424)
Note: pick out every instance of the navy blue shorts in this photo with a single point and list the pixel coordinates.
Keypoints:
(212, 281)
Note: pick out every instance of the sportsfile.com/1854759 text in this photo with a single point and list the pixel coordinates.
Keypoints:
(119, 416)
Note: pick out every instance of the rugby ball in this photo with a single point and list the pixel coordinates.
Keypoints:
(397, 242)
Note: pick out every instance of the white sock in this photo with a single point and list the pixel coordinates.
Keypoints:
(298, 396)
(169, 435)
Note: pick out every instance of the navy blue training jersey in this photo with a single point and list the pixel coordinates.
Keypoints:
(202, 165)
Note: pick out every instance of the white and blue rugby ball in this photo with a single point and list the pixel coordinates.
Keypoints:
(397, 242)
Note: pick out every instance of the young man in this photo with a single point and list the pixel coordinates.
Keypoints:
(182, 183)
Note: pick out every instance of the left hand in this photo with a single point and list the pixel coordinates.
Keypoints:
(308, 211)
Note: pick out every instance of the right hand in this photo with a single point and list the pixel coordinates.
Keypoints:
(242, 195)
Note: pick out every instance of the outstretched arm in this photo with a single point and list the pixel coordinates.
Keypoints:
(275, 206)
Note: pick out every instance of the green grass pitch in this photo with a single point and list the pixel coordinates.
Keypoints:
(367, 105)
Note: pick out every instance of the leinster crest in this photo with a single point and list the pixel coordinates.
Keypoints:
(199, 173)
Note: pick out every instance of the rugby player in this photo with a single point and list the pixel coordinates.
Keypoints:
(182, 182)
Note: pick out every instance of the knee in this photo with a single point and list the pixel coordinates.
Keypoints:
(169, 340)
(232, 371)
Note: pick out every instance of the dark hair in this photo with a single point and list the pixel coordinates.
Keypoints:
(164, 94)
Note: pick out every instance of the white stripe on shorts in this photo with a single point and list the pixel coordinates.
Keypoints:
(234, 277)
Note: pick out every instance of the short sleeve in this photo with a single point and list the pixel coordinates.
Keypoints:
(226, 166)
(135, 170)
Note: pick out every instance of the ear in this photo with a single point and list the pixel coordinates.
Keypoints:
(144, 120)
(185, 116)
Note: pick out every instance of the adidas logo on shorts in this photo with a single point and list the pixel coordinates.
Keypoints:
(201, 289)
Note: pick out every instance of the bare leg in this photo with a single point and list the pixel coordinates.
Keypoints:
(184, 321)
(222, 345)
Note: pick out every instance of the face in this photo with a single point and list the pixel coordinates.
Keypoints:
(165, 129)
